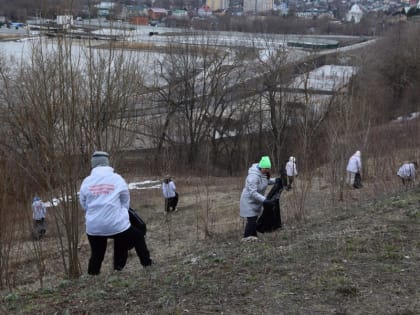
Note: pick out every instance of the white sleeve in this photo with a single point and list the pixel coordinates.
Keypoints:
(125, 199)
(82, 200)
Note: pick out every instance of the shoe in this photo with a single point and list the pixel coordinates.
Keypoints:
(250, 239)
(148, 264)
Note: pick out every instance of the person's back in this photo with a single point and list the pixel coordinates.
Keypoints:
(355, 163)
(354, 169)
(170, 194)
(101, 195)
(168, 188)
(38, 209)
(105, 197)
(407, 172)
(38, 215)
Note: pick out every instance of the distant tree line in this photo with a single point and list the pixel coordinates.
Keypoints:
(21, 10)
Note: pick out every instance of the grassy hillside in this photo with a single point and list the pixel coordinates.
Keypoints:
(350, 258)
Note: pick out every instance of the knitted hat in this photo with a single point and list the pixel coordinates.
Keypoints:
(100, 158)
(264, 162)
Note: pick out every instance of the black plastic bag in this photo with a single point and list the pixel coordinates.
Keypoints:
(137, 221)
(270, 219)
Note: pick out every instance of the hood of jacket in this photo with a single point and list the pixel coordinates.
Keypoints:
(255, 170)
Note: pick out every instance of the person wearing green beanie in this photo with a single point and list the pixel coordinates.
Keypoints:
(252, 197)
(265, 163)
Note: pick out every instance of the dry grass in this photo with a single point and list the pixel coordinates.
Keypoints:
(360, 256)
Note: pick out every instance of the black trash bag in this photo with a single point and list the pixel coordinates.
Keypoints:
(270, 219)
(137, 221)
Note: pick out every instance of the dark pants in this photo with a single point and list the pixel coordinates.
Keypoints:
(122, 242)
(357, 181)
(251, 226)
(405, 180)
(40, 227)
(290, 180)
(171, 203)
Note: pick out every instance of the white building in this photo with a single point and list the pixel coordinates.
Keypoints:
(327, 78)
(258, 6)
(65, 20)
(217, 4)
(318, 87)
(355, 14)
(204, 10)
(104, 7)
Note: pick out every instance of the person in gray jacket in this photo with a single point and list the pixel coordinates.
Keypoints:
(252, 197)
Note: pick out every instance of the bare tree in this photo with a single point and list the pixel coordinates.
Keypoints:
(195, 93)
(61, 105)
(274, 69)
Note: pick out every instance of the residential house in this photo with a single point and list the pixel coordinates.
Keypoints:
(139, 20)
(129, 11)
(157, 14)
(179, 14)
(104, 8)
(204, 10)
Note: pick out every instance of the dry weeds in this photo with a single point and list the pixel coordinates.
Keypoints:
(360, 256)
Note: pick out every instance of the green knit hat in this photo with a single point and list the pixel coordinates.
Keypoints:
(264, 162)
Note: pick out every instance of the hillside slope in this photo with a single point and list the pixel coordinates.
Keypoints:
(345, 260)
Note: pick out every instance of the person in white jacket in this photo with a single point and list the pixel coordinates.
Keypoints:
(354, 166)
(291, 171)
(105, 197)
(39, 212)
(169, 193)
(407, 172)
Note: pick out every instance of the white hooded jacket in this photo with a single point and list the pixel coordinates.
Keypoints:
(105, 197)
(291, 169)
(355, 163)
(38, 210)
(168, 189)
(407, 170)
